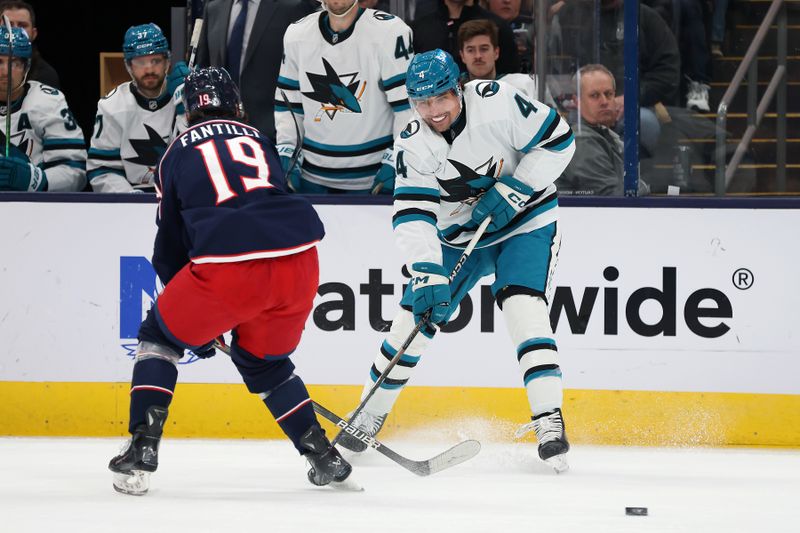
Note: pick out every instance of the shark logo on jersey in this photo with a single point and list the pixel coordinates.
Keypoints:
(334, 94)
(487, 88)
(470, 184)
(380, 15)
(150, 150)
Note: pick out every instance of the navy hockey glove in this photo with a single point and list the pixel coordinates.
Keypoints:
(205, 351)
(502, 202)
(20, 175)
(176, 76)
(431, 286)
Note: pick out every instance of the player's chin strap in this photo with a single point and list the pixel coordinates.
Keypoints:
(330, 13)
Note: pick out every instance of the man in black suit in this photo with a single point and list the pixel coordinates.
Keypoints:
(255, 28)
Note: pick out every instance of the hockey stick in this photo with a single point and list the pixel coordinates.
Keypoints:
(9, 82)
(193, 42)
(296, 154)
(424, 321)
(459, 453)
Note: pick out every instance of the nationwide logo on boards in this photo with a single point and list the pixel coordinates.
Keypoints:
(705, 312)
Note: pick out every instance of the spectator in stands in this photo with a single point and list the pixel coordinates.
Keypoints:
(47, 151)
(479, 50)
(521, 25)
(440, 30)
(718, 27)
(597, 167)
(21, 14)
(246, 37)
(659, 59)
(134, 122)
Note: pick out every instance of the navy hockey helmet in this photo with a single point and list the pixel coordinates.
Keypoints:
(431, 74)
(144, 40)
(211, 92)
(21, 45)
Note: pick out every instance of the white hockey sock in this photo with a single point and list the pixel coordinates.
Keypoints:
(529, 327)
(384, 398)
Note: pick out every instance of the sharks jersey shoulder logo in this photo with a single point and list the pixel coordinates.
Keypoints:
(470, 184)
(337, 93)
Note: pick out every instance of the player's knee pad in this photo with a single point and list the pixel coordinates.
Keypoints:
(261, 375)
(153, 350)
(402, 326)
(152, 332)
(526, 317)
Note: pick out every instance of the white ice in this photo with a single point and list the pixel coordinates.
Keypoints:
(62, 485)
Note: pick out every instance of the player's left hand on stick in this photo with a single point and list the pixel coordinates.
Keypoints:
(502, 202)
(205, 351)
(431, 285)
(176, 76)
(20, 175)
(384, 180)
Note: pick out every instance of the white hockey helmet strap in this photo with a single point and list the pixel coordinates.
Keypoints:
(349, 9)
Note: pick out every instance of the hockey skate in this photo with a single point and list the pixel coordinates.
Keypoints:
(138, 458)
(553, 443)
(327, 465)
(368, 423)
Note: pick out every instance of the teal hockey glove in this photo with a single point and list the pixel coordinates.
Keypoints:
(502, 202)
(20, 175)
(431, 286)
(176, 76)
(384, 179)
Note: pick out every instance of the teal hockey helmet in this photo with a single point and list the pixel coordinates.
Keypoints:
(431, 74)
(21, 44)
(144, 40)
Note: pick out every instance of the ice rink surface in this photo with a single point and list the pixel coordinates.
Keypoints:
(62, 485)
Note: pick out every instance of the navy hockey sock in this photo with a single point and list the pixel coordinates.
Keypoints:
(291, 406)
(153, 383)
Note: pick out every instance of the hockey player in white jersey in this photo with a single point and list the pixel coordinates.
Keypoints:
(479, 50)
(135, 122)
(343, 77)
(489, 152)
(47, 151)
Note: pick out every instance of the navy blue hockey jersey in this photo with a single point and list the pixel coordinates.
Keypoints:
(223, 198)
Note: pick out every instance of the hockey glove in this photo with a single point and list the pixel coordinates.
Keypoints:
(20, 175)
(502, 202)
(384, 179)
(431, 286)
(176, 76)
(205, 351)
(286, 152)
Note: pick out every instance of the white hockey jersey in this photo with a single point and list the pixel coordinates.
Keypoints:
(131, 133)
(528, 84)
(500, 132)
(42, 126)
(347, 92)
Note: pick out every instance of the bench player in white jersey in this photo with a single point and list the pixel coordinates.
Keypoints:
(135, 122)
(343, 74)
(489, 152)
(47, 151)
(479, 50)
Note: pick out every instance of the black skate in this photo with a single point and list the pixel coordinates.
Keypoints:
(369, 424)
(553, 443)
(327, 464)
(139, 457)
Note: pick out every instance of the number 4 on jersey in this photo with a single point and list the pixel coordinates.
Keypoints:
(401, 50)
(525, 107)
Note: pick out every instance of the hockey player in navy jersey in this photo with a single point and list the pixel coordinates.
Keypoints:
(136, 120)
(47, 151)
(236, 252)
(342, 76)
(489, 152)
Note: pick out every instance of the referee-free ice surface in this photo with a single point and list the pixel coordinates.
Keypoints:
(62, 485)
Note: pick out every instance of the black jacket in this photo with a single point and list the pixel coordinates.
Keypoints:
(437, 30)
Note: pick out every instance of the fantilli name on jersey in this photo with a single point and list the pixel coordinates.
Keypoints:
(348, 94)
(42, 126)
(131, 133)
(500, 132)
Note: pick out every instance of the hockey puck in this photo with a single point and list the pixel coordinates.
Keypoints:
(636, 511)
